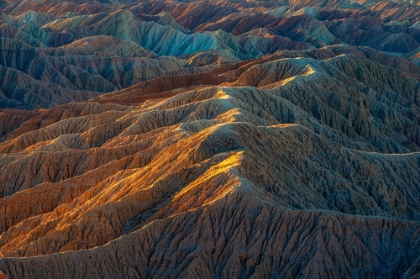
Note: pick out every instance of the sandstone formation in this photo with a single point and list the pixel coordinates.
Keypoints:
(56, 52)
(209, 139)
(299, 155)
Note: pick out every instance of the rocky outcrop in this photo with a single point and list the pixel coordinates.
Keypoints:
(199, 253)
(64, 52)
(221, 139)
(293, 156)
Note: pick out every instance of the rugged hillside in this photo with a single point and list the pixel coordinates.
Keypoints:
(209, 139)
(298, 168)
(56, 52)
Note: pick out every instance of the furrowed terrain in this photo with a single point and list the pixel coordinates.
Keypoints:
(212, 139)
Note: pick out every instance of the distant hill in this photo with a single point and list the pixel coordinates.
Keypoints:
(209, 139)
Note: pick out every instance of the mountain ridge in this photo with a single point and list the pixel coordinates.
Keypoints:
(210, 139)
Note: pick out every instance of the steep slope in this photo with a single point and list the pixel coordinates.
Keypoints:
(164, 87)
(88, 48)
(209, 139)
(81, 72)
(217, 180)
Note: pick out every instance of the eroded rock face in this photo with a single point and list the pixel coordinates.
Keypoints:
(60, 52)
(220, 139)
(300, 167)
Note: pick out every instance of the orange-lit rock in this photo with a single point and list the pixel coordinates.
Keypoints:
(222, 174)
(221, 139)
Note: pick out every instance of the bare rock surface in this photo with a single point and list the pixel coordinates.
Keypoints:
(251, 178)
(209, 139)
(55, 52)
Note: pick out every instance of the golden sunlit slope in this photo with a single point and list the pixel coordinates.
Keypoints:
(300, 168)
